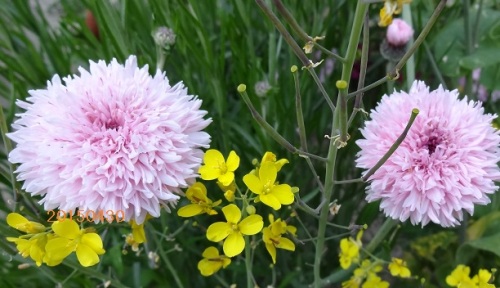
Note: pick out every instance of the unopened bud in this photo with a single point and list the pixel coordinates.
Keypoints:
(250, 209)
(164, 37)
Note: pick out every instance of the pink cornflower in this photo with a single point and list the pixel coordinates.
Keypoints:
(399, 33)
(446, 164)
(114, 138)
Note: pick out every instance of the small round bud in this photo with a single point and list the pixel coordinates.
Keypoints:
(415, 111)
(294, 68)
(250, 209)
(262, 88)
(164, 37)
(341, 84)
(242, 88)
(399, 33)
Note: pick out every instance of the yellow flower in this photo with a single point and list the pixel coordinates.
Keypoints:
(398, 268)
(482, 278)
(272, 237)
(373, 281)
(271, 157)
(367, 268)
(460, 277)
(19, 222)
(353, 282)
(200, 203)
(33, 247)
(270, 194)
(217, 168)
(391, 7)
(349, 250)
(233, 230)
(228, 190)
(88, 245)
(212, 261)
(138, 232)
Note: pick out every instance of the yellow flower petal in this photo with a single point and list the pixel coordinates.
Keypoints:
(93, 240)
(234, 244)
(251, 225)
(190, 210)
(208, 173)
(283, 193)
(213, 157)
(268, 173)
(197, 193)
(59, 248)
(19, 222)
(272, 251)
(233, 161)
(218, 231)
(86, 255)
(68, 229)
(232, 213)
(253, 183)
(227, 178)
(210, 252)
(286, 244)
(208, 267)
(270, 200)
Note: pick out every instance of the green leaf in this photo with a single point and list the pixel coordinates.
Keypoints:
(469, 249)
(482, 57)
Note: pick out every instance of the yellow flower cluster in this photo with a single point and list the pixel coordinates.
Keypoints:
(241, 217)
(52, 245)
(391, 7)
(365, 276)
(460, 278)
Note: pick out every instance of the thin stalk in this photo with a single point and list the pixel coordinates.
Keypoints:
(270, 130)
(248, 262)
(394, 74)
(410, 65)
(291, 21)
(298, 110)
(394, 146)
(300, 123)
(475, 31)
(434, 65)
(295, 48)
(323, 217)
(358, 103)
(300, 32)
(167, 262)
(387, 155)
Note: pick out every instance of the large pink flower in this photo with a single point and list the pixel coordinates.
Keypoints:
(115, 138)
(446, 164)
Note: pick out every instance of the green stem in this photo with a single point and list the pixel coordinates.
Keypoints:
(295, 48)
(323, 217)
(410, 65)
(387, 155)
(358, 103)
(298, 110)
(300, 32)
(394, 146)
(248, 262)
(270, 130)
(352, 48)
(167, 262)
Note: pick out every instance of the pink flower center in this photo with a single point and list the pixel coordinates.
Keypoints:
(432, 143)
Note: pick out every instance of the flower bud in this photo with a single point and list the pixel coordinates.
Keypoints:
(164, 37)
(399, 33)
(250, 209)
